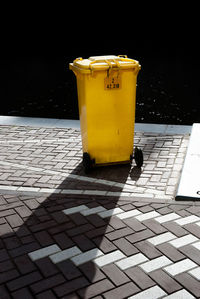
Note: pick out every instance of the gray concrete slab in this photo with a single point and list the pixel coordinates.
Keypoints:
(75, 124)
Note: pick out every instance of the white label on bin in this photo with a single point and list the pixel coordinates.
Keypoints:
(112, 83)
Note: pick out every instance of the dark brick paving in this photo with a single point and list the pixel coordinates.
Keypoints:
(27, 227)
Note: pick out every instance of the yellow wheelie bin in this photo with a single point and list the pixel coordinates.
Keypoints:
(106, 96)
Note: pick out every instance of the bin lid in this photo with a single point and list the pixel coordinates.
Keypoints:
(104, 63)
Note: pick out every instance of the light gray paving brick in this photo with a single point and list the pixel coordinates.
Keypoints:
(109, 258)
(196, 245)
(165, 237)
(156, 263)
(93, 211)
(180, 267)
(195, 273)
(168, 217)
(151, 293)
(41, 253)
(131, 261)
(65, 254)
(86, 256)
(128, 214)
(187, 220)
(148, 215)
(182, 241)
(110, 212)
(75, 209)
(182, 294)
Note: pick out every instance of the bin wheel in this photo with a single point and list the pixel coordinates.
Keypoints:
(138, 156)
(87, 162)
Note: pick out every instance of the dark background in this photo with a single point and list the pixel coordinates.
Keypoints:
(35, 79)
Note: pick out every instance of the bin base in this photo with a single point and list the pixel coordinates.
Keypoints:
(89, 163)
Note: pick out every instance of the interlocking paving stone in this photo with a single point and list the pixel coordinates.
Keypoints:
(146, 216)
(109, 258)
(122, 291)
(131, 261)
(126, 247)
(155, 264)
(185, 240)
(47, 283)
(115, 274)
(64, 255)
(86, 256)
(188, 219)
(110, 213)
(152, 293)
(23, 281)
(43, 252)
(92, 211)
(180, 294)
(139, 236)
(171, 252)
(167, 217)
(96, 289)
(129, 214)
(71, 286)
(161, 238)
(36, 162)
(75, 209)
(189, 283)
(195, 273)
(191, 252)
(140, 277)
(180, 267)
(165, 281)
(196, 245)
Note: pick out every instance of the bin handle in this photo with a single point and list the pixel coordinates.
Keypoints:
(109, 62)
(122, 56)
(78, 59)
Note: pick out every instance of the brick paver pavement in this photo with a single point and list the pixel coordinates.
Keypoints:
(117, 233)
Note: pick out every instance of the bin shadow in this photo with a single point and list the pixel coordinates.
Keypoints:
(45, 224)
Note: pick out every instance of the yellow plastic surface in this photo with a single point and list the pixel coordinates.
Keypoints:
(106, 94)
